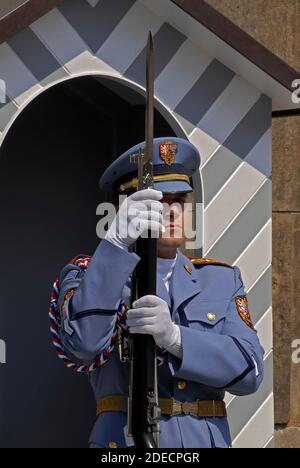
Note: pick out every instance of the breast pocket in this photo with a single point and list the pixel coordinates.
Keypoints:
(206, 315)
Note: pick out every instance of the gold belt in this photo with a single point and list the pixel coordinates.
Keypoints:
(168, 406)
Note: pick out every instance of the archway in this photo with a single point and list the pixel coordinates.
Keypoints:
(50, 162)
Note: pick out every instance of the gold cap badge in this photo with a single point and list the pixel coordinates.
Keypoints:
(168, 152)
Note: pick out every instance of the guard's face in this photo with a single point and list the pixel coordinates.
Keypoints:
(175, 216)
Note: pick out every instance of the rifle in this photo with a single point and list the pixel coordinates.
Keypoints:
(143, 410)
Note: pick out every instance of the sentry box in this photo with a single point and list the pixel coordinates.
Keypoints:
(71, 99)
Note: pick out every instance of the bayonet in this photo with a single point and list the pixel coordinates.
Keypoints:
(143, 409)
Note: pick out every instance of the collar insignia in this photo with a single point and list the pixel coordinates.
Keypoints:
(188, 269)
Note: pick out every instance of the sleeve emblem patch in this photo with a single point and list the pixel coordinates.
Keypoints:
(243, 310)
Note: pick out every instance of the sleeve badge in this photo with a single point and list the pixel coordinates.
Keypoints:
(243, 310)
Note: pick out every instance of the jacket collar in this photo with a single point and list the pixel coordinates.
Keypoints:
(162, 292)
(184, 282)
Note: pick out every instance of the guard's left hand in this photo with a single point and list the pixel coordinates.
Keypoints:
(151, 316)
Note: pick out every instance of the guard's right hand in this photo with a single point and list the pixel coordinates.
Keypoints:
(140, 212)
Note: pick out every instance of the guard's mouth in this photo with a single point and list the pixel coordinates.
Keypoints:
(173, 226)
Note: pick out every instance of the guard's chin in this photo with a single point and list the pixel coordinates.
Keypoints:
(169, 242)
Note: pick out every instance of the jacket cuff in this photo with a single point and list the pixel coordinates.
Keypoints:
(175, 347)
(204, 360)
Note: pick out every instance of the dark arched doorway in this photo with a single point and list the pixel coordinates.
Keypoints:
(50, 163)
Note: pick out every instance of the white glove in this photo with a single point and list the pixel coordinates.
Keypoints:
(140, 212)
(151, 316)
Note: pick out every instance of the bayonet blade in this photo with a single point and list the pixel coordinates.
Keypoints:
(148, 158)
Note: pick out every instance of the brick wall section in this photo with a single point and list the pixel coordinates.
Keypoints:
(276, 24)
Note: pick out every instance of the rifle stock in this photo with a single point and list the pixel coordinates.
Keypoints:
(145, 413)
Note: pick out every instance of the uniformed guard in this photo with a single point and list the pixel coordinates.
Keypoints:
(199, 319)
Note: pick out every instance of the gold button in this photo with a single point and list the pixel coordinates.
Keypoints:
(211, 316)
(181, 384)
(113, 445)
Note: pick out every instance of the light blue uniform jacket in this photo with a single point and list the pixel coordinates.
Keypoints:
(218, 356)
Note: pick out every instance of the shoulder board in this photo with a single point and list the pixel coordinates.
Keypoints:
(197, 262)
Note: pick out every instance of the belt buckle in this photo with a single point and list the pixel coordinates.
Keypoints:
(176, 407)
(190, 407)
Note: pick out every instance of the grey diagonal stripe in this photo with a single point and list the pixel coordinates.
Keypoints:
(260, 296)
(262, 164)
(204, 93)
(245, 227)
(7, 111)
(241, 410)
(166, 43)
(197, 186)
(95, 23)
(237, 146)
(258, 119)
(34, 54)
(271, 444)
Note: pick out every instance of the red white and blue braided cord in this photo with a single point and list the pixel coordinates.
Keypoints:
(55, 325)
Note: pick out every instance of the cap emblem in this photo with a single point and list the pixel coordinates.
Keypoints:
(168, 152)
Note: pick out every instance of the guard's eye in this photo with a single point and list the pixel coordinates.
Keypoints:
(180, 201)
